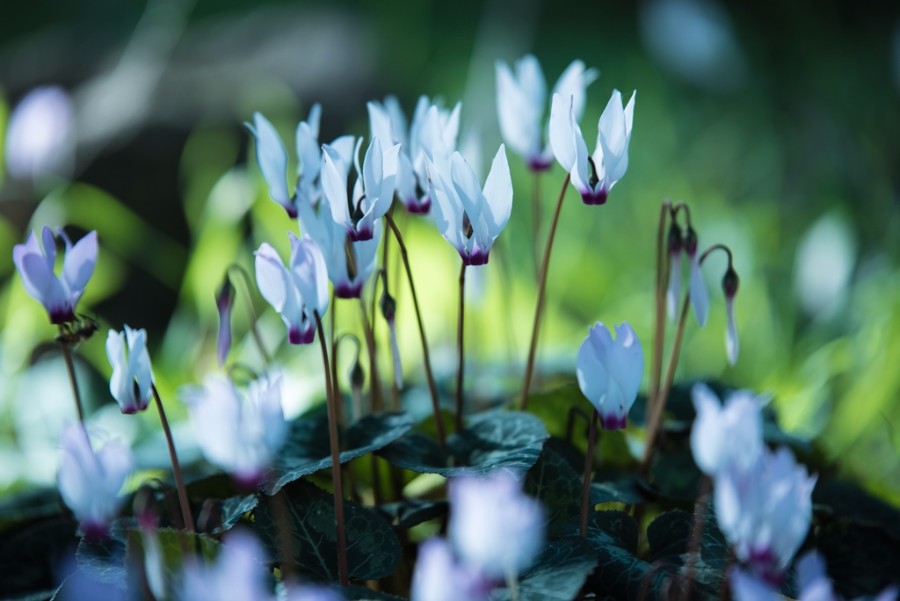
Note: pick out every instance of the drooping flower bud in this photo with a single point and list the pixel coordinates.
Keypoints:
(224, 303)
(675, 244)
(730, 283)
(699, 294)
(388, 309)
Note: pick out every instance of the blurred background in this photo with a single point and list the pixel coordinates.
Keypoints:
(777, 122)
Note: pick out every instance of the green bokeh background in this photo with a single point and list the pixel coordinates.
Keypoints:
(786, 146)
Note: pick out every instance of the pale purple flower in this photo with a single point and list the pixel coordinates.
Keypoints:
(812, 579)
(609, 372)
(372, 192)
(765, 511)
(746, 586)
(132, 376)
(298, 291)
(728, 437)
(468, 217)
(440, 577)
(522, 104)
(36, 261)
(239, 572)
(494, 527)
(90, 482)
(238, 431)
(592, 175)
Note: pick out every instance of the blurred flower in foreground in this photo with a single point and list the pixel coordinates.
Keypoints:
(132, 374)
(89, 482)
(592, 175)
(35, 264)
(726, 437)
(439, 577)
(609, 372)
(239, 432)
(298, 291)
(40, 136)
(238, 573)
(224, 305)
(468, 217)
(494, 526)
(522, 101)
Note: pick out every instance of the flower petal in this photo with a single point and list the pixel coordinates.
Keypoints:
(272, 158)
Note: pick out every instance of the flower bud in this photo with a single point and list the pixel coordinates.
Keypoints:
(224, 303)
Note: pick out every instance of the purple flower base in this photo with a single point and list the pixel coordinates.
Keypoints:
(594, 198)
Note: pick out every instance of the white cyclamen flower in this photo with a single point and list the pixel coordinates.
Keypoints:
(609, 372)
(239, 572)
(36, 265)
(132, 376)
(468, 217)
(297, 291)
(765, 511)
(372, 193)
(90, 482)
(697, 291)
(592, 175)
(238, 431)
(522, 103)
(728, 437)
(494, 526)
(440, 577)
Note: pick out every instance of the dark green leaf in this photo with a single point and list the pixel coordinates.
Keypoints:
(29, 505)
(412, 512)
(847, 500)
(626, 489)
(674, 474)
(30, 554)
(233, 509)
(557, 575)
(307, 449)
(669, 536)
(558, 486)
(555, 406)
(492, 440)
(372, 547)
(361, 593)
(861, 560)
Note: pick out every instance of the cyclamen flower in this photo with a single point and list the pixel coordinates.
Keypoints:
(765, 511)
(592, 175)
(239, 432)
(372, 193)
(224, 304)
(495, 528)
(298, 291)
(35, 264)
(90, 482)
(698, 293)
(238, 573)
(730, 283)
(610, 371)
(468, 217)
(132, 375)
(522, 102)
(729, 437)
(440, 577)
(675, 244)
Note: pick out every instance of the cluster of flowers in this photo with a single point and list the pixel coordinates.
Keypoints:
(496, 532)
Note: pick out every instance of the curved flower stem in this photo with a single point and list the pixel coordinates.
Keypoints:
(660, 313)
(460, 331)
(426, 357)
(542, 287)
(337, 482)
(570, 421)
(186, 515)
(335, 385)
(70, 367)
(588, 469)
(374, 379)
(659, 406)
(696, 532)
(250, 310)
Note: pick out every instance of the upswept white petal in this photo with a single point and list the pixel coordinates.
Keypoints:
(726, 437)
(531, 81)
(270, 276)
(78, 265)
(334, 184)
(614, 135)
(132, 376)
(517, 117)
(272, 158)
(593, 379)
(581, 175)
(380, 124)
(310, 273)
(573, 83)
(698, 292)
(562, 135)
(498, 192)
(610, 371)
(446, 208)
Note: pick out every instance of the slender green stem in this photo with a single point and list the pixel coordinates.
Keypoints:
(460, 332)
(250, 310)
(696, 532)
(660, 297)
(536, 220)
(570, 421)
(335, 385)
(542, 287)
(588, 473)
(426, 357)
(374, 379)
(186, 515)
(70, 367)
(337, 482)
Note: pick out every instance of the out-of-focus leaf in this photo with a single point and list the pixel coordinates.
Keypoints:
(557, 575)
(361, 593)
(861, 560)
(372, 547)
(493, 440)
(411, 512)
(674, 474)
(233, 509)
(29, 505)
(846, 500)
(558, 486)
(307, 449)
(29, 554)
(624, 489)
